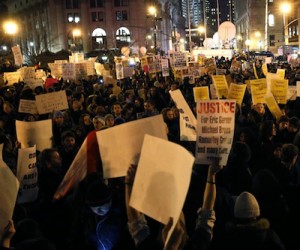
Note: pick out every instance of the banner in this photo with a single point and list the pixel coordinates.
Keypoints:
(215, 130)
(27, 175)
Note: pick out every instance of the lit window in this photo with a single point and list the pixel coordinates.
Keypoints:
(271, 20)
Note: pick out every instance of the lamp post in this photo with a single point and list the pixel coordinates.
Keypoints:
(152, 12)
(76, 33)
(285, 9)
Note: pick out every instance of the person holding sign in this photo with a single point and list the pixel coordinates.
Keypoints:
(200, 240)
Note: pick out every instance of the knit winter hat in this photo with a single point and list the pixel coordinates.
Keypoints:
(246, 206)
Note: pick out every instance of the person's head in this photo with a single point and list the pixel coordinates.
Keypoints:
(116, 109)
(293, 124)
(149, 106)
(7, 107)
(259, 108)
(246, 207)
(168, 114)
(50, 158)
(98, 122)
(58, 118)
(240, 152)
(268, 129)
(109, 120)
(99, 197)
(86, 119)
(68, 140)
(283, 122)
(76, 104)
(289, 155)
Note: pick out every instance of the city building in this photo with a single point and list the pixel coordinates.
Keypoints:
(88, 25)
(267, 25)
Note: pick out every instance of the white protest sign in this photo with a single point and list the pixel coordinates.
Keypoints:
(27, 106)
(119, 71)
(12, 77)
(215, 129)
(68, 71)
(9, 186)
(33, 83)
(27, 72)
(115, 156)
(19, 60)
(165, 67)
(50, 102)
(27, 175)
(188, 127)
(37, 133)
(162, 179)
(39, 74)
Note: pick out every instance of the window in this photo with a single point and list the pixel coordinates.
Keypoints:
(271, 20)
(121, 15)
(119, 3)
(96, 3)
(101, 16)
(272, 40)
(73, 17)
(72, 4)
(93, 4)
(94, 17)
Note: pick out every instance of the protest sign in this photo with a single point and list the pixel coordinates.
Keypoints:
(162, 179)
(19, 60)
(27, 106)
(131, 134)
(221, 85)
(37, 133)
(9, 186)
(201, 93)
(279, 89)
(47, 103)
(188, 127)
(281, 73)
(215, 130)
(273, 106)
(237, 92)
(258, 90)
(165, 67)
(12, 77)
(27, 175)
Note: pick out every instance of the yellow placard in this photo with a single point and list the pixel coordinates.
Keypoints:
(264, 68)
(236, 92)
(281, 73)
(279, 89)
(273, 106)
(258, 90)
(201, 93)
(221, 85)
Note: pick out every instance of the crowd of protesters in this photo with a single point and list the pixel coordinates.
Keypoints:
(251, 203)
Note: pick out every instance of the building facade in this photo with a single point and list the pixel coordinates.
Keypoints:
(262, 25)
(88, 25)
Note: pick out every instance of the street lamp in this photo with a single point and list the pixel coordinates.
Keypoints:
(10, 28)
(201, 30)
(152, 12)
(76, 33)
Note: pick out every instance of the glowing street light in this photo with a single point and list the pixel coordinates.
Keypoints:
(10, 27)
(285, 9)
(152, 13)
(248, 43)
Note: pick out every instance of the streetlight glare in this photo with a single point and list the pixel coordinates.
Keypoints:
(201, 29)
(76, 32)
(152, 10)
(10, 27)
(285, 7)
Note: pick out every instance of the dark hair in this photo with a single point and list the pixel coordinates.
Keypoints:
(288, 152)
(46, 156)
(66, 134)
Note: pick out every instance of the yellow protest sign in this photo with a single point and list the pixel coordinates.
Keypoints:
(273, 106)
(236, 92)
(201, 93)
(281, 73)
(221, 85)
(258, 90)
(279, 89)
(264, 68)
